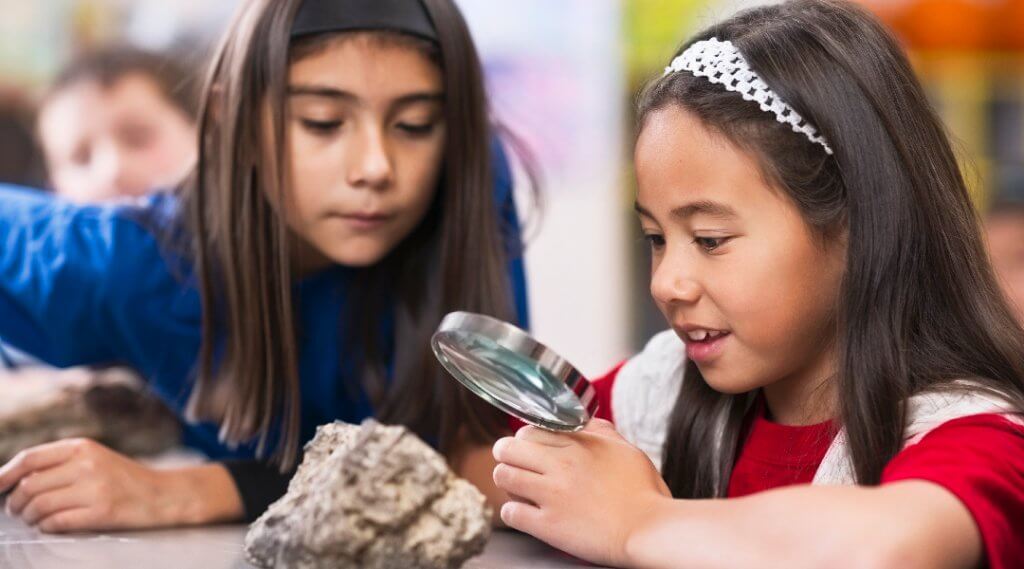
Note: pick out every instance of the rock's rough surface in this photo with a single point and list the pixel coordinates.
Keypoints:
(371, 496)
(111, 406)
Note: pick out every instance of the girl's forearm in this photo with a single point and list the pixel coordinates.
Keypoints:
(911, 524)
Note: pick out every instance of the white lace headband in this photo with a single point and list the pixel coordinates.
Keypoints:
(722, 63)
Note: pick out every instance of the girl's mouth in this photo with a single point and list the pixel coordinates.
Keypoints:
(703, 335)
(364, 221)
(702, 344)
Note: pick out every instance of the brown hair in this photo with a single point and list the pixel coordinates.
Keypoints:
(455, 260)
(177, 83)
(919, 305)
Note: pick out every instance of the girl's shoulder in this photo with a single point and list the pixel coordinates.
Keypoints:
(935, 408)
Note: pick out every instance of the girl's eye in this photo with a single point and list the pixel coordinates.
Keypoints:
(710, 244)
(321, 127)
(655, 241)
(416, 129)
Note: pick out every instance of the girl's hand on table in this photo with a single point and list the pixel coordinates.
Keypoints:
(81, 485)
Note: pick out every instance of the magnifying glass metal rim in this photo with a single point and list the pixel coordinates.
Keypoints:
(520, 342)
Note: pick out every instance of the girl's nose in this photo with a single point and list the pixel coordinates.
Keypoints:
(672, 283)
(370, 165)
(110, 169)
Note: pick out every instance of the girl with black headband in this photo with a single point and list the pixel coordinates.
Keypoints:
(348, 194)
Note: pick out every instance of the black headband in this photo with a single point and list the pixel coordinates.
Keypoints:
(325, 16)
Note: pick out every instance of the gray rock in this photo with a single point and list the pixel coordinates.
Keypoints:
(371, 496)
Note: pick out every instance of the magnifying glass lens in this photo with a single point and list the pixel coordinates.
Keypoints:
(505, 367)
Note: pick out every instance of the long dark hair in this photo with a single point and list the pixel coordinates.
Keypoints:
(455, 260)
(919, 306)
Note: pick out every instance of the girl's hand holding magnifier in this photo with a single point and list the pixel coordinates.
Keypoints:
(593, 474)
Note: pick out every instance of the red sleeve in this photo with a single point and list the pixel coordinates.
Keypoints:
(603, 389)
(980, 459)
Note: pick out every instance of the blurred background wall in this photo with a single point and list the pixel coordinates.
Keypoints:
(562, 74)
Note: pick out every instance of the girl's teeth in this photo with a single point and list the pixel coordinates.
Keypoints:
(701, 335)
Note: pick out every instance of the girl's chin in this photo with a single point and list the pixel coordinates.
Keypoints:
(357, 255)
(716, 381)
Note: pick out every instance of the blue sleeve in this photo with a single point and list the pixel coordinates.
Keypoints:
(54, 259)
(505, 199)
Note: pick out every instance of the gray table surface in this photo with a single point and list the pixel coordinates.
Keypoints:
(220, 547)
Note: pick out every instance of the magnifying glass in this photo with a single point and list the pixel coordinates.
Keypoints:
(517, 374)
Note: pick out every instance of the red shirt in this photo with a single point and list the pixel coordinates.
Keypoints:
(979, 459)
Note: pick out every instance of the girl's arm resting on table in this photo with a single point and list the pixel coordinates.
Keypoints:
(595, 496)
(907, 524)
(80, 485)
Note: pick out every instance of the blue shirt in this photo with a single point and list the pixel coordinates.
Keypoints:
(92, 285)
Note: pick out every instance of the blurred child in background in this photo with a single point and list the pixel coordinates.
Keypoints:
(119, 122)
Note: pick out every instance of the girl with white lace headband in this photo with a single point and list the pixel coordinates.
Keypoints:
(843, 383)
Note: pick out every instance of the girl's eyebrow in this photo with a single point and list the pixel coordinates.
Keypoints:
(640, 210)
(320, 91)
(701, 207)
(419, 97)
(335, 93)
